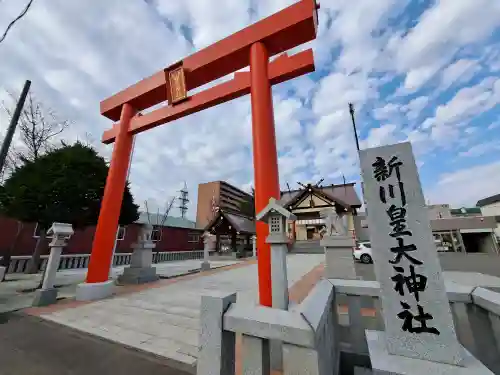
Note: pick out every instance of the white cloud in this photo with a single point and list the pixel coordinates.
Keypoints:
(469, 101)
(481, 149)
(380, 136)
(460, 71)
(415, 106)
(466, 186)
(441, 31)
(356, 26)
(386, 112)
(465, 105)
(337, 90)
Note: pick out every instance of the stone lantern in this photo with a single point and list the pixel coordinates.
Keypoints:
(276, 217)
(61, 233)
(141, 270)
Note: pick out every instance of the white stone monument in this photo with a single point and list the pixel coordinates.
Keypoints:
(276, 216)
(141, 270)
(205, 265)
(419, 332)
(61, 233)
(254, 246)
(336, 238)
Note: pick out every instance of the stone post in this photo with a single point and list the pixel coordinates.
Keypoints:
(61, 233)
(254, 246)
(141, 270)
(216, 354)
(419, 336)
(205, 265)
(276, 216)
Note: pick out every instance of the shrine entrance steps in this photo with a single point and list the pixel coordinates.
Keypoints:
(307, 247)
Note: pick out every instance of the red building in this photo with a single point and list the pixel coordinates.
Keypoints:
(175, 234)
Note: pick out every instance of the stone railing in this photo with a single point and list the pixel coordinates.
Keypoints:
(18, 264)
(475, 310)
(325, 334)
(307, 334)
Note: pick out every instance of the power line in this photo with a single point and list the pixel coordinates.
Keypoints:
(11, 24)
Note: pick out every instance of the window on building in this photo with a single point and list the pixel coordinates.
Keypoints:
(121, 233)
(36, 233)
(193, 237)
(156, 234)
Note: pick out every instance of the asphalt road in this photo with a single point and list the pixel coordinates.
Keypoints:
(29, 345)
(482, 263)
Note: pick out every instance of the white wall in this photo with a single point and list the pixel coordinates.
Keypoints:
(492, 209)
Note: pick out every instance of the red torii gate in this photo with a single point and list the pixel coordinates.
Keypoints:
(252, 46)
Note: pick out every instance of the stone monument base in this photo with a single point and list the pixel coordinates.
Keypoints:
(45, 297)
(138, 275)
(339, 263)
(394, 364)
(94, 291)
(205, 266)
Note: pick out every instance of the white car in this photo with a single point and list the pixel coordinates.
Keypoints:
(363, 252)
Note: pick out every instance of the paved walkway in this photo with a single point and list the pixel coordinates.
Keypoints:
(17, 291)
(164, 320)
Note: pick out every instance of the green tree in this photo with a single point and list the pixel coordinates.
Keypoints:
(65, 185)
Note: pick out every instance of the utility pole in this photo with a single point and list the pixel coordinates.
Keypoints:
(351, 111)
(13, 124)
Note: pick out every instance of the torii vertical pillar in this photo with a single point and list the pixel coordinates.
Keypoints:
(97, 284)
(265, 158)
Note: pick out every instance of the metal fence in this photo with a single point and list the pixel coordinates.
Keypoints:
(18, 264)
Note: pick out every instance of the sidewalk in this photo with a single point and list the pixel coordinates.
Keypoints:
(17, 292)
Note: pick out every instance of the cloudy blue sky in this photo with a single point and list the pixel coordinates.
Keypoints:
(424, 71)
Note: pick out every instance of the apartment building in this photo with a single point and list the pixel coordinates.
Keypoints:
(218, 194)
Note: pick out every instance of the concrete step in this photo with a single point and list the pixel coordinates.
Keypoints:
(312, 243)
(307, 247)
(306, 251)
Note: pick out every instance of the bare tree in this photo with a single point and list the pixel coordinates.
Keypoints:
(38, 126)
(13, 22)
